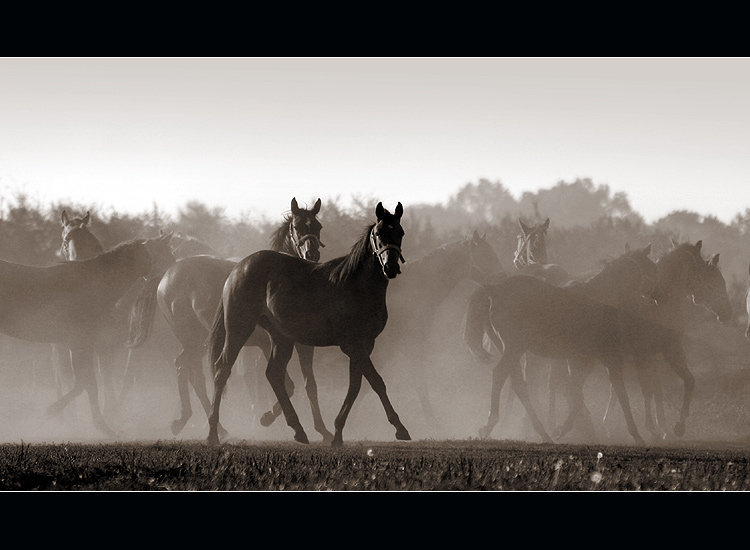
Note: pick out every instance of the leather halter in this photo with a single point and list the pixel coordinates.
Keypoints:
(379, 247)
(299, 242)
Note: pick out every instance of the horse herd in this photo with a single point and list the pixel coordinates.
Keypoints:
(626, 314)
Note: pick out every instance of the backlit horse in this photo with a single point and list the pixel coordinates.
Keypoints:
(683, 273)
(525, 314)
(69, 303)
(78, 243)
(188, 296)
(341, 302)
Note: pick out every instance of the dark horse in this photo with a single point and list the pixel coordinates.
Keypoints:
(69, 303)
(524, 314)
(341, 302)
(189, 294)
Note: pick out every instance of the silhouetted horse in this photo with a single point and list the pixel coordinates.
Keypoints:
(69, 303)
(78, 243)
(747, 306)
(682, 273)
(524, 313)
(341, 302)
(189, 294)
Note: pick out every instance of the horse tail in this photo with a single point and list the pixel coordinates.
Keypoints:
(217, 338)
(141, 317)
(477, 324)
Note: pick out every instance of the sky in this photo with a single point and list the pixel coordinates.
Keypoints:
(248, 134)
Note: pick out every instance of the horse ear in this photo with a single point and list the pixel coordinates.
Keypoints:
(399, 211)
(524, 227)
(166, 237)
(379, 211)
(545, 226)
(64, 218)
(475, 237)
(674, 243)
(647, 251)
(86, 218)
(714, 260)
(316, 208)
(295, 207)
(698, 245)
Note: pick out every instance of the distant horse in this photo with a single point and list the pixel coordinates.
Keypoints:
(341, 302)
(189, 294)
(415, 298)
(78, 243)
(526, 314)
(682, 273)
(69, 303)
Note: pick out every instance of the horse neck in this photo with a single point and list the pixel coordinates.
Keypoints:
(84, 246)
(121, 267)
(608, 287)
(439, 272)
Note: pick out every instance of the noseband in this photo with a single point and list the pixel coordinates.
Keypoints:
(379, 247)
(299, 242)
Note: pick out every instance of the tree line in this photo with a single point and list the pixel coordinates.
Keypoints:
(588, 224)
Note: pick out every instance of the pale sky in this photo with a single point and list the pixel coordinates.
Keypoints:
(249, 134)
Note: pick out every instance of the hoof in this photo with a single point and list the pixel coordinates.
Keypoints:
(222, 431)
(337, 442)
(301, 438)
(402, 434)
(212, 439)
(327, 437)
(484, 432)
(679, 429)
(177, 426)
(267, 419)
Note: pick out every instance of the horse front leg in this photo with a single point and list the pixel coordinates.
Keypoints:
(521, 390)
(614, 366)
(675, 356)
(499, 374)
(83, 368)
(305, 355)
(281, 352)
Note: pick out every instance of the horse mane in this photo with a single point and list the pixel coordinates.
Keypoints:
(108, 259)
(342, 268)
(280, 237)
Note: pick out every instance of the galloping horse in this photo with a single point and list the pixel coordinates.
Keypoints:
(526, 314)
(189, 294)
(682, 273)
(69, 303)
(341, 302)
(414, 299)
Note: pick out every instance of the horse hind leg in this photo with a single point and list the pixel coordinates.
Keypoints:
(651, 389)
(305, 355)
(614, 367)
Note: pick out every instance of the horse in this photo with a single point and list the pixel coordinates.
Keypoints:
(525, 314)
(70, 302)
(188, 295)
(341, 302)
(78, 243)
(747, 306)
(682, 274)
(413, 301)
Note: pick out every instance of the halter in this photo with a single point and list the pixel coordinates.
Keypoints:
(379, 248)
(521, 260)
(298, 243)
(66, 238)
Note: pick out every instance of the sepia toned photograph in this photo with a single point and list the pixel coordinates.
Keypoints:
(374, 274)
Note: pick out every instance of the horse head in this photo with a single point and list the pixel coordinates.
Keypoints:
(532, 245)
(385, 239)
(304, 231)
(483, 259)
(78, 243)
(696, 277)
(648, 280)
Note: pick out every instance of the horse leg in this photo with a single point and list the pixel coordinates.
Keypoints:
(305, 356)
(650, 387)
(359, 358)
(610, 404)
(614, 367)
(675, 356)
(578, 372)
(197, 380)
(355, 383)
(106, 361)
(281, 352)
(499, 375)
(85, 379)
(522, 392)
(128, 381)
